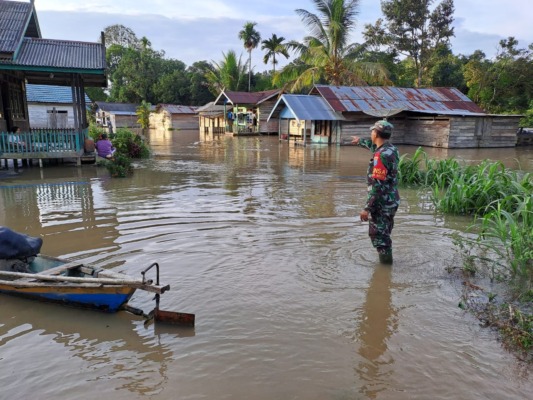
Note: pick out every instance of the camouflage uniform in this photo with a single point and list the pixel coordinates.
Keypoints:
(383, 197)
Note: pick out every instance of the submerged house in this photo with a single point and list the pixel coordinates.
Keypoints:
(303, 118)
(27, 58)
(174, 117)
(434, 117)
(51, 106)
(212, 119)
(247, 113)
(117, 115)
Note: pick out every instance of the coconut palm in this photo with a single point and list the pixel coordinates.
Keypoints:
(251, 39)
(274, 46)
(227, 74)
(325, 55)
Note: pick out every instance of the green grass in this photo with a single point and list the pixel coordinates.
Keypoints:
(499, 199)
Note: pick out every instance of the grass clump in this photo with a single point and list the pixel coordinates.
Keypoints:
(500, 241)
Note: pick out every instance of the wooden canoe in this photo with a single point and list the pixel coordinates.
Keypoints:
(73, 283)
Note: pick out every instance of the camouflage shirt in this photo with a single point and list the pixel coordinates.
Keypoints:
(382, 177)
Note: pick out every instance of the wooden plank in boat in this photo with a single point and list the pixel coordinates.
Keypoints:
(125, 281)
(61, 268)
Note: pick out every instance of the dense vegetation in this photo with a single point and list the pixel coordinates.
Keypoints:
(408, 47)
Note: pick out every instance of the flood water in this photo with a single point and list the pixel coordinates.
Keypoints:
(262, 242)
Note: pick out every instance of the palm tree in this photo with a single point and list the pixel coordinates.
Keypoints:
(143, 115)
(325, 55)
(274, 46)
(227, 74)
(251, 39)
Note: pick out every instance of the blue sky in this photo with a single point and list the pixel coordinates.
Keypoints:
(196, 30)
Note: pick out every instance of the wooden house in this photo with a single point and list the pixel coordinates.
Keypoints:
(170, 117)
(212, 119)
(25, 57)
(114, 116)
(247, 113)
(51, 106)
(302, 119)
(433, 117)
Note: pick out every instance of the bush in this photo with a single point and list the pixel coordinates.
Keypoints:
(95, 131)
(120, 166)
(130, 144)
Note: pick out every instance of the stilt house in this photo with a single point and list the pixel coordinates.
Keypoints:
(25, 57)
(247, 113)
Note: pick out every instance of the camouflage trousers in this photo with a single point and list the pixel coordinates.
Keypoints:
(380, 228)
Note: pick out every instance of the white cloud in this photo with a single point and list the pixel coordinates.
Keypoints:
(194, 30)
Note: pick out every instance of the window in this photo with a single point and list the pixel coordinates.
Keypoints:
(57, 119)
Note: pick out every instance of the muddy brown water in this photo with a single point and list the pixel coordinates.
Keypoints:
(261, 241)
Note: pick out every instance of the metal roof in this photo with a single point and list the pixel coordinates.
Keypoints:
(117, 107)
(61, 54)
(14, 17)
(176, 109)
(374, 100)
(253, 98)
(305, 108)
(211, 110)
(50, 94)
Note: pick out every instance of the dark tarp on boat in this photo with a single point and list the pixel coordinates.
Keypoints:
(15, 245)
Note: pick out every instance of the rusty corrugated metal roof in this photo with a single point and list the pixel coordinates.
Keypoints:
(252, 98)
(373, 99)
(13, 18)
(61, 54)
(210, 109)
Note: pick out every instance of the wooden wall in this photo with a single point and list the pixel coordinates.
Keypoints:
(488, 131)
(264, 111)
(440, 131)
(163, 120)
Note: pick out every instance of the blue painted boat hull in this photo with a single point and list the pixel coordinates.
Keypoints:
(109, 298)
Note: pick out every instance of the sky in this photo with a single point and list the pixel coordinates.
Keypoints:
(201, 30)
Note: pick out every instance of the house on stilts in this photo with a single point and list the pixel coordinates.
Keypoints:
(247, 113)
(27, 58)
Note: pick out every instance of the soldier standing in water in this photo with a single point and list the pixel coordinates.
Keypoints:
(383, 197)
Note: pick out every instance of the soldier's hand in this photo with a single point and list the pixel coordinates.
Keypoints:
(355, 139)
(363, 215)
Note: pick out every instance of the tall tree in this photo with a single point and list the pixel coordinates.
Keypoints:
(274, 46)
(136, 74)
(227, 74)
(199, 88)
(325, 56)
(251, 39)
(120, 35)
(504, 84)
(412, 29)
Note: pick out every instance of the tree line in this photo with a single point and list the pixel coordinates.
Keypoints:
(409, 46)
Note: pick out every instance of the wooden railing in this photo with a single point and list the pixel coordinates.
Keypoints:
(41, 142)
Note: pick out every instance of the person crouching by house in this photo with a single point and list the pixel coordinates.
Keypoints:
(104, 147)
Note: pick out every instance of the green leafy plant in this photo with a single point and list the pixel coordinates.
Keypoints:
(130, 144)
(119, 166)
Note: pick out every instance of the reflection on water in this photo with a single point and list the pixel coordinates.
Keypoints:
(110, 347)
(260, 240)
(376, 326)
